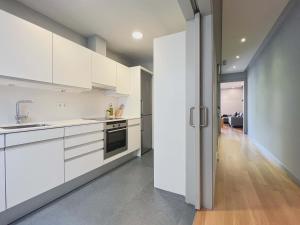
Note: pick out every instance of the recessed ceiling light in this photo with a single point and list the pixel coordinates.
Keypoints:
(234, 67)
(137, 35)
(243, 40)
(237, 57)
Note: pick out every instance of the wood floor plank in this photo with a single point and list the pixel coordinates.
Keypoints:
(250, 190)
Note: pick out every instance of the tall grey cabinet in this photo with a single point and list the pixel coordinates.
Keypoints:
(146, 110)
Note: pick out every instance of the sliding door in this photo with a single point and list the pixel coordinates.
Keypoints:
(200, 113)
(193, 178)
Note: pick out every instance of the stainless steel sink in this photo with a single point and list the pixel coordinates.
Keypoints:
(23, 126)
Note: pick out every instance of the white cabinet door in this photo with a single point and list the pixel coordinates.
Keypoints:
(25, 49)
(71, 63)
(2, 181)
(32, 169)
(123, 80)
(104, 71)
(134, 138)
(83, 164)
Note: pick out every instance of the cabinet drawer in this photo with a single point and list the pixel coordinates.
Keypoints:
(75, 130)
(83, 139)
(83, 149)
(134, 122)
(33, 136)
(81, 165)
(1, 141)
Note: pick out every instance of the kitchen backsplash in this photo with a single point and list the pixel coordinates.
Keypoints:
(51, 105)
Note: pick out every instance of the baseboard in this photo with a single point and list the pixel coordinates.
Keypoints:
(270, 156)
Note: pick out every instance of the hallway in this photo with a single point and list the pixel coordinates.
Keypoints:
(250, 190)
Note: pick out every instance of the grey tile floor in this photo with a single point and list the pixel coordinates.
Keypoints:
(124, 196)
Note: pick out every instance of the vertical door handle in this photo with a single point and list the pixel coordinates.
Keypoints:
(142, 107)
(192, 116)
(142, 124)
(204, 116)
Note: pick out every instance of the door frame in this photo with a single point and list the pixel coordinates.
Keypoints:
(233, 77)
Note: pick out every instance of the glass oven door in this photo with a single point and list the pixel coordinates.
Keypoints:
(116, 141)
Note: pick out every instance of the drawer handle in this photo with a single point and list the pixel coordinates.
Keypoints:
(113, 131)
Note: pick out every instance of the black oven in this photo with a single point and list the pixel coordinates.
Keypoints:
(115, 138)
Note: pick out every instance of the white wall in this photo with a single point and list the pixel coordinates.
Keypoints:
(273, 92)
(47, 103)
(169, 113)
(232, 100)
(119, 58)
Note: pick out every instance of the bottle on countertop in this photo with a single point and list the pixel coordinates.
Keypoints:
(110, 112)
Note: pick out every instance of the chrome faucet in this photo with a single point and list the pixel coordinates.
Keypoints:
(19, 117)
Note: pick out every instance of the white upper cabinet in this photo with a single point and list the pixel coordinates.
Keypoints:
(25, 49)
(104, 71)
(71, 63)
(123, 80)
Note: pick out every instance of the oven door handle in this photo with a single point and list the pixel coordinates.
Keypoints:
(113, 131)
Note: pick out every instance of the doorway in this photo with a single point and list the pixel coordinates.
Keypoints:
(232, 105)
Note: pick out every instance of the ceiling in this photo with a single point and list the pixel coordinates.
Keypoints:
(115, 20)
(250, 19)
(231, 85)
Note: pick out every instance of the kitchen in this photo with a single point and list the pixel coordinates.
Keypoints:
(69, 112)
(82, 107)
(86, 143)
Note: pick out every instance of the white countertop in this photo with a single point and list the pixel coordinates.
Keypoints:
(57, 124)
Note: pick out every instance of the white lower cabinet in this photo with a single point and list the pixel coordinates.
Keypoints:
(36, 161)
(83, 149)
(134, 137)
(32, 169)
(2, 181)
(83, 139)
(80, 165)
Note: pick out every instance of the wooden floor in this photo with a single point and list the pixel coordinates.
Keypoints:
(250, 190)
